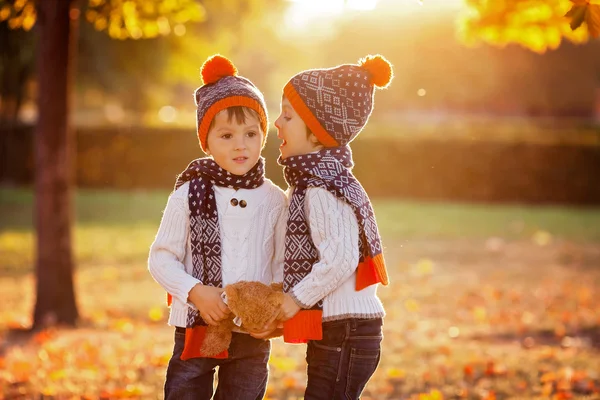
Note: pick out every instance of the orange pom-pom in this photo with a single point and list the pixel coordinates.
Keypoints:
(379, 68)
(215, 68)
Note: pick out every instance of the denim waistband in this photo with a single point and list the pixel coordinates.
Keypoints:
(351, 321)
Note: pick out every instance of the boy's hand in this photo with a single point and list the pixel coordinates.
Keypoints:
(264, 333)
(208, 301)
(268, 329)
(288, 309)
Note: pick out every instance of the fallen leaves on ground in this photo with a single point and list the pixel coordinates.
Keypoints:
(484, 325)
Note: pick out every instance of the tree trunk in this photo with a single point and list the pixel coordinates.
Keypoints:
(54, 178)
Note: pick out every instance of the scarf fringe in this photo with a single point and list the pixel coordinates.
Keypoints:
(304, 326)
(193, 342)
(370, 272)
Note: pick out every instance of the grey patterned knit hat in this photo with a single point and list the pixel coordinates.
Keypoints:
(335, 103)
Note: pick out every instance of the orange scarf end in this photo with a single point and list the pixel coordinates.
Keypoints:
(304, 326)
(193, 342)
(370, 272)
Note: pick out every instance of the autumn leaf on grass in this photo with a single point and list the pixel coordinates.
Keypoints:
(155, 314)
(491, 395)
(432, 395)
(542, 238)
(587, 11)
(284, 364)
(396, 374)
(548, 377)
(468, 370)
(21, 371)
(289, 382)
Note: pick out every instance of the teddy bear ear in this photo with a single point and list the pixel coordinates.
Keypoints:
(277, 286)
(276, 298)
(232, 293)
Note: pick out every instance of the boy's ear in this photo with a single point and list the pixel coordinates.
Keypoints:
(314, 140)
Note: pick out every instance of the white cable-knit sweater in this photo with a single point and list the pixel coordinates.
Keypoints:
(334, 231)
(253, 249)
(250, 246)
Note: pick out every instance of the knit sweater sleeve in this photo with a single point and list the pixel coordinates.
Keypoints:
(168, 251)
(334, 231)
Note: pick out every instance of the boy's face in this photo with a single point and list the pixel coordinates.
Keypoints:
(235, 147)
(293, 133)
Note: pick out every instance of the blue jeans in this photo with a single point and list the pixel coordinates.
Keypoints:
(242, 376)
(340, 365)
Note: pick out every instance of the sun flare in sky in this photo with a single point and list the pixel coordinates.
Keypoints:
(306, 15)
(337, 5)
(302, 13)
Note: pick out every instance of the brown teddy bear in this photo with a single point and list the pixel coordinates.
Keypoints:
(252, 303)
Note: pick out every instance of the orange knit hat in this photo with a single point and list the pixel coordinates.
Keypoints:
(223, 88)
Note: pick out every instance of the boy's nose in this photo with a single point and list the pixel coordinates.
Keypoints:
(278, 130)
(240, 144)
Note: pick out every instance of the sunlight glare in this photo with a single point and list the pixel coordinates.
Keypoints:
(362, 4)
(302, 12)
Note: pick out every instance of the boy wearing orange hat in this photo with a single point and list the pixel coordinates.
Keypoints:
(333, 251)
(218, 228)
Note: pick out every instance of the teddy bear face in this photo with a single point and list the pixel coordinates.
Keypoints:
(254, 302)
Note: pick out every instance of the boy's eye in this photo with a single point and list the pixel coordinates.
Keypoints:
(226, 136)
(251, 134)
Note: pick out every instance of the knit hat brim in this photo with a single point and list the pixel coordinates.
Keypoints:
(307, 116)
(228, 102)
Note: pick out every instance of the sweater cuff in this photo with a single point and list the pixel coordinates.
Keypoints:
(297, 301)
(305, 295)
(184, 289)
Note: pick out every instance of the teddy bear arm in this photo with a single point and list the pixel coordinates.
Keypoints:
(217, 338)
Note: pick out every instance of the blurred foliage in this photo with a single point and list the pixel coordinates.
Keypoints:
(587, 11)
(437, 77)
(18, 13)
(16, 67)
(127, 82)
(137, 19)
(122, 19)
(538, 25)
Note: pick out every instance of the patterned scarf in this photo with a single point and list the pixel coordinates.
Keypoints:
(205, 235)
(329, 169)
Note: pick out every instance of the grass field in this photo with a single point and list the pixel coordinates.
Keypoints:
(486, 302)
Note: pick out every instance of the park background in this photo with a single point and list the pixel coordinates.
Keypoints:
(482, 160)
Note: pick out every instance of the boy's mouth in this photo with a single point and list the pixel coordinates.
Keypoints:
(283, 143)
(240, 160)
